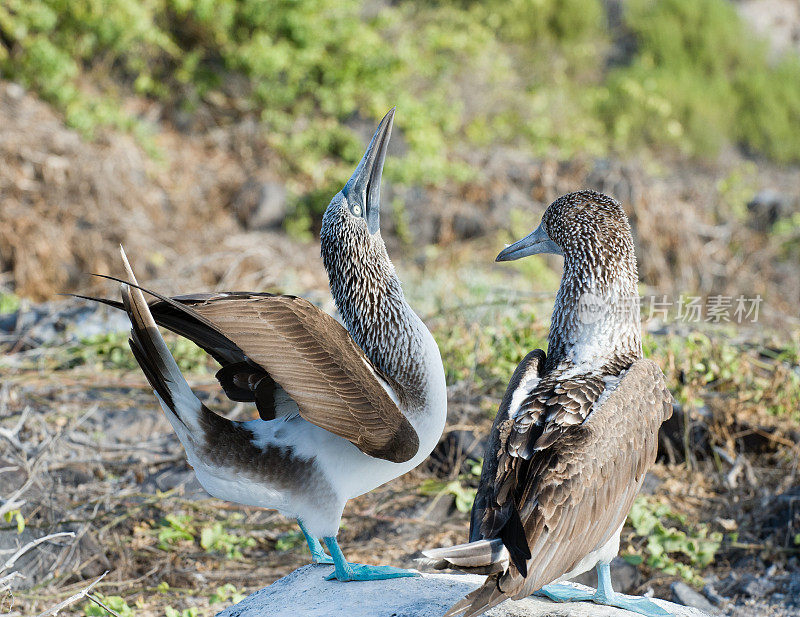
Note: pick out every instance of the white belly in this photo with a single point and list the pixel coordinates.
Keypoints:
(335, 469)
(604, 554)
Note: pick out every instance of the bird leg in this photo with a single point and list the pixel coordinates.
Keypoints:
(605, 594)
(344, 571)
(318, 554)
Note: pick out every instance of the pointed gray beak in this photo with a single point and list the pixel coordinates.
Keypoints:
(363, 189)
(534, 243)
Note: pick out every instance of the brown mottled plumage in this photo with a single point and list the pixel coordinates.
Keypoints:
(577, 429)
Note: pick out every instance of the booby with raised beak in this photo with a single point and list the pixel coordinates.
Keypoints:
(576, 430)
(342, 410)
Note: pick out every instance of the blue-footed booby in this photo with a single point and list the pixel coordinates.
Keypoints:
(342, 411)
(576, 430)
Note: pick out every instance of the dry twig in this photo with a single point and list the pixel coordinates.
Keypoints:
(53, 610)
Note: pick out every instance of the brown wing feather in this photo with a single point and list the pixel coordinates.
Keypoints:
(575, 492)
(525, 376)
(582, 485)
(318, 364)
(304, 352)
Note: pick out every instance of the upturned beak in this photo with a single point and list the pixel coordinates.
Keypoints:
(534, 243)
(364, 186)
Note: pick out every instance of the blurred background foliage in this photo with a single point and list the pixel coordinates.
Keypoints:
(552, 76)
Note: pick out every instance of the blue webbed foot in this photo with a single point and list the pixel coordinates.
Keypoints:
(636, 604)
(604, 595)
(344, 571)
(564, 593)
(363, 572)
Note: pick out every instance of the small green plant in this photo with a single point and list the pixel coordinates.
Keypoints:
(736, 190)
(464, 495)
(174, 528)
(187, 612)
(16, 516)
(289, 540)
(111, 350)
(116, 603)
(226, 593)
(487, 353)
(214, 539)
(460, 488)
(9, 303)
(666, 544)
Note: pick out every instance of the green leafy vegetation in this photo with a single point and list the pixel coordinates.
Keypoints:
(464, 495)
(463, 489)
(112, 351)
(213, 537)
(666, 547)
(117, 604)
(175, 528)
(16, 516)
(226, 593)
(289, 540)
(527, 72)
(487, 353)
(700, 79)
(187, 612)
(9, 303)
(758, 376)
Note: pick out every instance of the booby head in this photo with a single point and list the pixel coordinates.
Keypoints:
(585, 225)
(597, 304)
(352, 249)
(355, 211)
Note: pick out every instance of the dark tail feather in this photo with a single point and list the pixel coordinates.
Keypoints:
(179, 316)
(176, 316)
(113, 303)
(513, 536)
(150, 351)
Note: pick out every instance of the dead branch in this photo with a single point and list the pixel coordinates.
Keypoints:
(33, 544)
(73, 598)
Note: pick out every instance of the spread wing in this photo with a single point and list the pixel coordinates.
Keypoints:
(274, 347)
(564, 484)
(525, 378)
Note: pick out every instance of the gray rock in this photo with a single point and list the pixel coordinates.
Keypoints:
(683, 594)
(710, 592)
(767, 207)
(260, 205)
(756, 586)
(306, 592)
(175, 477)
(56, 323)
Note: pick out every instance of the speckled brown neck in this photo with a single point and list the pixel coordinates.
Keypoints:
(596, 315)
(370, 299)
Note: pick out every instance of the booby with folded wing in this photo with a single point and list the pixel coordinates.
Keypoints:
(577, 428)
(342, 411)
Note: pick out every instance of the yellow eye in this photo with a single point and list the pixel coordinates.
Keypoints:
(357, 210)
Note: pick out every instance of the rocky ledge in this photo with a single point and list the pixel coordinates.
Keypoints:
(306, 592)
